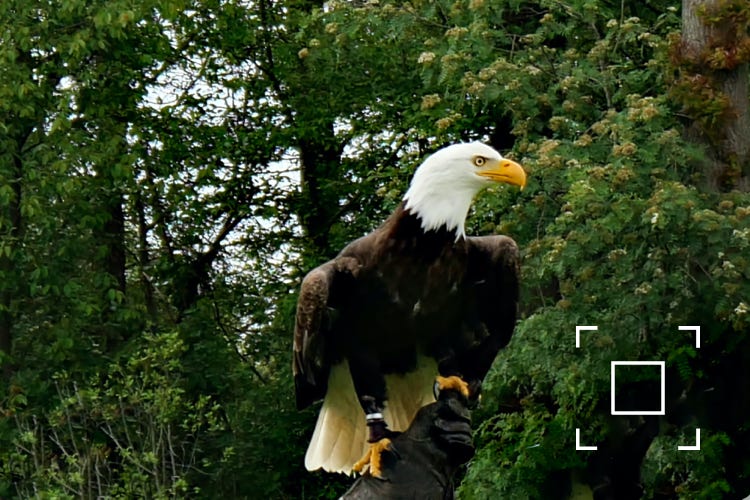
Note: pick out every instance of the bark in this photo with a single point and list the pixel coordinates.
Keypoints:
(320, 159)
(114, 238)
(712, 52)
(144, 259)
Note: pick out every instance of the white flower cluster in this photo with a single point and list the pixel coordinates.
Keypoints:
(426, 57)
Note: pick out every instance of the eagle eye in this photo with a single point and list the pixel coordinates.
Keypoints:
(479, 161)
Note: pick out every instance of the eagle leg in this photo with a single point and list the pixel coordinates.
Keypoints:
(370, 387)
(373, 457)
(378, 437)
(451, 383)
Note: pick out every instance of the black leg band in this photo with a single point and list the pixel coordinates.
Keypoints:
(378, 430)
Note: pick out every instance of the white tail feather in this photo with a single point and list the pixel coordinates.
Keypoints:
(340, 436)
(408, 393)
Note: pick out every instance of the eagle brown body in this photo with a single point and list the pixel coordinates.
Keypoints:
(395, 308)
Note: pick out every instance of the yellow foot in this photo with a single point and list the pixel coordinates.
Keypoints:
(453, 382)
(373, 458)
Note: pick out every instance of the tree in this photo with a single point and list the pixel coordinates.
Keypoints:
(713, 86)
(116, 309)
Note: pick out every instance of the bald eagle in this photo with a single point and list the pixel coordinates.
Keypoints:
(413, 307)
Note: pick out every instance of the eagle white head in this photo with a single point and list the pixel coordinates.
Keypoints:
(444, 185)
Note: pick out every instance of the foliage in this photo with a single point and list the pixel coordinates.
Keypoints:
(614, 204)
(664, 467)
(129, 430)
(170, 169)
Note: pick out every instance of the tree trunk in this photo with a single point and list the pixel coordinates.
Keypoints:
(114, 238)
(144, 258)
(713, 54)
(320, 159)
(111, 237)
(10, 278)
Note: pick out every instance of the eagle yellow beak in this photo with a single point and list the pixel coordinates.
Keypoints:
(506, 171)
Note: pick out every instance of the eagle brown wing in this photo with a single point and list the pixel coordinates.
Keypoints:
(309, 365)
(494, 267)
(314, 321)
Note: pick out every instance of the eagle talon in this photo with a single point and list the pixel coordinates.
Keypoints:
(373, 458)
(451, 383)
